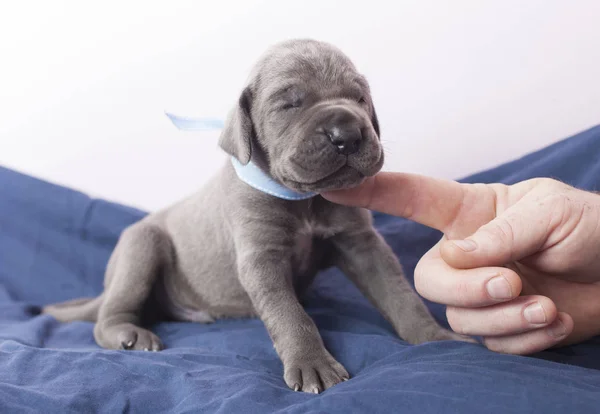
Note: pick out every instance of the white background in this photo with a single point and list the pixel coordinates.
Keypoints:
(459, 85)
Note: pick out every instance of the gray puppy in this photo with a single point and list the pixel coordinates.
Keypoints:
(305, 120)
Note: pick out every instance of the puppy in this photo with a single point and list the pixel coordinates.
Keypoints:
(254, 237)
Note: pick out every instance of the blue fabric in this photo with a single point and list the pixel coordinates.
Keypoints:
(55, 242)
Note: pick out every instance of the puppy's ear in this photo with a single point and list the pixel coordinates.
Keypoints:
(375, 122)
(238, 134)
(365, 84)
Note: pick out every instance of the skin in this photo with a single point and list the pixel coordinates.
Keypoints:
(518, 265)
(233, 251)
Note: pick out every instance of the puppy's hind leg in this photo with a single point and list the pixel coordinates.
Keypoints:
(141, 254)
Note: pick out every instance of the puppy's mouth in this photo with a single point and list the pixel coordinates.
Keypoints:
(341, 178)
(334, 181)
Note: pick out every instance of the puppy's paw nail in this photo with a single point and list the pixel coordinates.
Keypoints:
(345, 379)
(146, 349)
(316, 390)
(296, 387)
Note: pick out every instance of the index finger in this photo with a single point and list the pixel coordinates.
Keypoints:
(430, 201)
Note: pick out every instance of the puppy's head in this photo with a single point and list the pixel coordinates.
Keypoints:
(307, 119)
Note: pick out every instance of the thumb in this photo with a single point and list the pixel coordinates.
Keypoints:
(520, 231)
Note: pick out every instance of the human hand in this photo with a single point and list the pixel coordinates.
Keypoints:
(518, 265)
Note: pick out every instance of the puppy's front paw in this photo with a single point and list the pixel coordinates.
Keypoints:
(128, 337)
(139, 339)
(314, 373)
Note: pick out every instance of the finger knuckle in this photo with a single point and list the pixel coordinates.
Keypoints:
(545, 181)
(548, 182)
(464, 294)
(500, 231)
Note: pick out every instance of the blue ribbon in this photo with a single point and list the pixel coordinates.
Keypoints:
(249, 173)
(196, 124)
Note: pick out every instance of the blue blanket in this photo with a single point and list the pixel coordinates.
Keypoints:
(54, 245)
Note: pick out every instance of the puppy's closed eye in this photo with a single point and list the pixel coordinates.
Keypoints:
(290, 97)
(295, 103)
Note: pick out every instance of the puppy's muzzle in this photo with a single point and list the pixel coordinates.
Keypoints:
(342, 128)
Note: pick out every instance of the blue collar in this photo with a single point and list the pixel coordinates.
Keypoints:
(256, 178)
(249, 173)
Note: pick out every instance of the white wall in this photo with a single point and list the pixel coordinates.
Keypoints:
(459, 86)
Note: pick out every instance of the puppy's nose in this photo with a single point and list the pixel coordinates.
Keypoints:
(346, 140)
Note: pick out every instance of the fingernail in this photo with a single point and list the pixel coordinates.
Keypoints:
(558, 329)
(498, 288)
(535, 314)
(465, 245)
